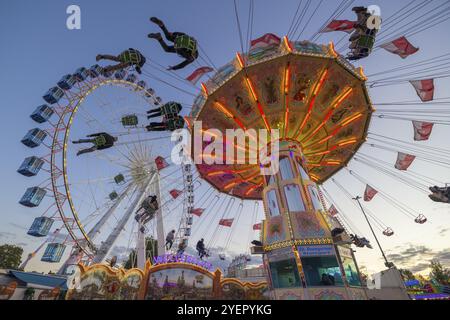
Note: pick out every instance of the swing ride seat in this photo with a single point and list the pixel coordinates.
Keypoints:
(42, 113)
(40, 227)
(100, 141)
(131, 56)
(119, 179)
(31, 166)
(130, 120)
(113, 196)
(362, 46)
(171, 109)
(388, 232)
(187, 43)
(221, 256)
(421, 219)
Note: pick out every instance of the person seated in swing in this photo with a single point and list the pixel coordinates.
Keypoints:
(169, 240)
(200, 247)
(363, 38)
(169, 110)
(127, 58)
(100, 140)
(150, 205)
(168, 124)
(181, 247)
(440, 194)
(184, 45)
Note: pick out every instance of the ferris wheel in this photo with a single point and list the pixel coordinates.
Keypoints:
(96, 194)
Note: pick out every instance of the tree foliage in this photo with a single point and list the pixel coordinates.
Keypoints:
(439, 273)
(10, 256)
(407, 274)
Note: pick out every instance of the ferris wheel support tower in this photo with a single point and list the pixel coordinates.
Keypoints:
(141, 243)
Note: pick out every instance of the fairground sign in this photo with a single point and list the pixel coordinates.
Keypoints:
(174, 258)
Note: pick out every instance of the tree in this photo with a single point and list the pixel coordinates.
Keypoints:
(439, 272)
(10, 256)
(151, 250)
(407, 274)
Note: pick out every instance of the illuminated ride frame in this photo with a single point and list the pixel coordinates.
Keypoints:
(320, 104)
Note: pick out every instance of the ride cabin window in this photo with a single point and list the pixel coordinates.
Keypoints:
(272, 203)
(286, 169)
(284, 274)
(314, 194)
(300, 169)
(322, 271)
(351, 273)
(294, 198)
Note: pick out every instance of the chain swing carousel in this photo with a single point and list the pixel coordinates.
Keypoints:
(319, 104)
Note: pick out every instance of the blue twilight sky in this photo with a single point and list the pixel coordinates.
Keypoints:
(38, 49)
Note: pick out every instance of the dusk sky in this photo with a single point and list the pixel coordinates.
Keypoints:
(38, 50)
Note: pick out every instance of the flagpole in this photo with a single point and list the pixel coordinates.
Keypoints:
(386, 263)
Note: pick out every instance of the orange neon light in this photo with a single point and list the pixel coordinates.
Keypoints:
(287, 79)
(343, 124)
(251, 88)
(249, 190)
(240, 60)
(347, 142)
(333, 51)
(332, 163)
(314, 177)
(321, 81)
(228, 113)
(316, 90)
(216, 173)
(339, 100)
(231, 184)
(349, 120)
(252, 176)
(261, 111)
(224, 110)
(204, 90)
(287, 43)
(188, 122)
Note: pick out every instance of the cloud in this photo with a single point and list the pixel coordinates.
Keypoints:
(443, 231)
(7, 235)
(418, 258)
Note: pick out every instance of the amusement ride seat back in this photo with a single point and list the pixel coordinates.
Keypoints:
(100, 141)
(187, 43)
